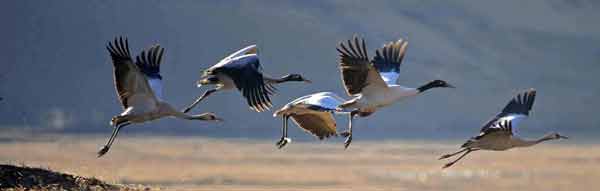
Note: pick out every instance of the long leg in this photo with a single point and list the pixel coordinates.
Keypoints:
(283, 130)
(284, 136)
(461, 156)
(115, 132)
(204, 95)
(450, 155)
(348, 134)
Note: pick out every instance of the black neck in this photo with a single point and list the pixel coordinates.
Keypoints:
(425, 87)
(545, 138)
(282, 79)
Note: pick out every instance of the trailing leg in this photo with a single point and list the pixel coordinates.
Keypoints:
(284, 136)
(466, 153)
(450, 155)
(348, 134)
(112, 138)
(206, 94)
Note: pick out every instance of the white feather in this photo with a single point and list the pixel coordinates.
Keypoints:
(390, 78)
(156, 85)
(515, 119)
(252, 49)
(322, 99)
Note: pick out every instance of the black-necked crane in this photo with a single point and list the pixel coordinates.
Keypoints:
(498, 134)
(374, 82)
(139, 87)
(242, 70)
(313, 113)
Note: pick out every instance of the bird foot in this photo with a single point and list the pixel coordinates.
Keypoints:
(448, 165)
(444, 156)
(348, 141)
(103, 151)
(281, 143)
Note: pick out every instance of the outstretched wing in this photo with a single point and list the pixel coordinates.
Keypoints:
(515, 111)
(245, 73)
(149, 64)
(388, 59)
(323, 101)
(252, 49)
(130, 82)
(358, 73)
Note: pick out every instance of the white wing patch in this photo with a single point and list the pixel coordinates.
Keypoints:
(156, 85)
(324, 99)
(515, 119)
(390, 78)
(252, 49)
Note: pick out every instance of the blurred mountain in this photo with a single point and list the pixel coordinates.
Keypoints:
(56, 72)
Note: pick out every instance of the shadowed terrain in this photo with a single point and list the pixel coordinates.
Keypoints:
(23, 178)
(198, 163)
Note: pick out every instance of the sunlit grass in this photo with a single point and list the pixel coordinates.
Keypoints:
(206, 163)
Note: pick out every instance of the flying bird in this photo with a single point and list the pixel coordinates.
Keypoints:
(313, 113)
(374, 82)
(139, 88)
(242, 70)
(498, 134)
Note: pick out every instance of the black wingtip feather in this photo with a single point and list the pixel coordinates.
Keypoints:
(149, 61)
(356, 45)
(522, 103)
(364, 48)
(257, 100)
(118, 50)
(160, 55)
(267, 99)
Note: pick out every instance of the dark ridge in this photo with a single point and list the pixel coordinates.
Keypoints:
(26, 178)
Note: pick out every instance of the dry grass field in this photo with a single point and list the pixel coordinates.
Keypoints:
(198, 163)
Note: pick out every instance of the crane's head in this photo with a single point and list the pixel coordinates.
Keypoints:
(295, 78)
(556, 136)
(209, 117)
(435, 84)
(440, 84)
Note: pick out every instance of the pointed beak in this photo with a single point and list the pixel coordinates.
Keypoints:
(450, 86)
(217, 119)
(307, 81)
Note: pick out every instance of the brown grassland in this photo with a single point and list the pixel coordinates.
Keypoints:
(199, 163)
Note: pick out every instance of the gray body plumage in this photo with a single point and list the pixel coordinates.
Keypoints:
(139, 88)
(498, 134)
